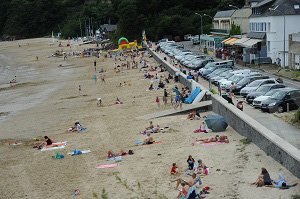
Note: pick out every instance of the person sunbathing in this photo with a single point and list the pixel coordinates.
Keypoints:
(209, 140)
(148, 140)
(111, 154)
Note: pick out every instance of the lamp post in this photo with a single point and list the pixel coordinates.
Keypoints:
(201, 28)
(274, 9)
(214, 40)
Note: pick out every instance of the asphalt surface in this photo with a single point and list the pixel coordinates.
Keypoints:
(284, 130)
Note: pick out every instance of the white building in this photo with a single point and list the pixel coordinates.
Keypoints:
(271, 22)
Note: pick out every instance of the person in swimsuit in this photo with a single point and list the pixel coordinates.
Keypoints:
(184, 190)
(148, 140)
(174, 169)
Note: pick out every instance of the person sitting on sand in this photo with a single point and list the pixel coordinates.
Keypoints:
(223, 138)
(201, 168)
(46, 142)
(263, 179)
(174, 169)
(14, 80)
(151, 87)
(190, 162)
(191, 182)
(148, 140)
(184, 190)
(118, 101)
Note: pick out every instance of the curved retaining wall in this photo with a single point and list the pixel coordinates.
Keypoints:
(273, 145)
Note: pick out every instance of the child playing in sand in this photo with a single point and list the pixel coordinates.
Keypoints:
(118, 101)
(174, 169)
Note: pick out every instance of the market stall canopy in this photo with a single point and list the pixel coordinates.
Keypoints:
(240, 41)
(250, 43)
(229, 41)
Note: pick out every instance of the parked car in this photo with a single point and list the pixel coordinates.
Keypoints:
(236, 78)
(187, 37)
(198, 63)
(222, 64)
(230, 74)
(263, 60)
(215, 79)
(254, 85)
(258, 101)
(247, 80)
(282, 100)
(217, 72)
(196, 40)
(262, 90)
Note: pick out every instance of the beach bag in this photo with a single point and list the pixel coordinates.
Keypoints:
(130, 152)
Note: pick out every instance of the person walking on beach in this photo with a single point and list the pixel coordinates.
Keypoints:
(102, 78)
(95, 64)
(165, 99)
(157, 101)
(79, 89)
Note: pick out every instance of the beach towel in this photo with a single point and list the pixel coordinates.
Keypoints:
(105, 166)
(78, 152)
(54, 146)
(116, 159)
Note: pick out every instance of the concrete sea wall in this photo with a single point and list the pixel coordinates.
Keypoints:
(274, 146)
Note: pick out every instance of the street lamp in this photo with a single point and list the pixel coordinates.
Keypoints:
(201, 22)
(201, 29)
(233, 6)
(274, 9)
(208, 16)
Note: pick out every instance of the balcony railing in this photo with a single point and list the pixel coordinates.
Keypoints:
(220, 31)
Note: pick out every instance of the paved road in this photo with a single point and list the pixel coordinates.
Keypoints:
(284, 130)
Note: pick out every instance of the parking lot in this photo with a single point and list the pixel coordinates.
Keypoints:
(286, 131)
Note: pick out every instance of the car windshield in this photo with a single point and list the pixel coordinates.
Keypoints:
(255, 83)
(271, 92)
(229, 75)
(263, 89)
(278, 95)
(223, 74)
(243, 81)
(237, 79)
(208, 65)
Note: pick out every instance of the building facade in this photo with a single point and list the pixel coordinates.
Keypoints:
(294, 51)
(277, 19)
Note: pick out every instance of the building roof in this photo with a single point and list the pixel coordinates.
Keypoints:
(224, 14)
(264, 2)
(282, 7)
(108, 27)
(256, 35)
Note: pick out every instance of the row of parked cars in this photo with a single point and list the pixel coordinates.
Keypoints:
(261, 91)
(183, 56)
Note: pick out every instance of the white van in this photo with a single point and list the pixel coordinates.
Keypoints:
(221, 64)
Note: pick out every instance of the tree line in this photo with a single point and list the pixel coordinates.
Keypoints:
(38, 18)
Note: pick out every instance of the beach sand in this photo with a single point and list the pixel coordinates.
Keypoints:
(46, 101)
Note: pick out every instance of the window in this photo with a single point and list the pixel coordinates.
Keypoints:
(269, 27)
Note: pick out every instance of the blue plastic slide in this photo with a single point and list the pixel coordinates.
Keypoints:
(193, 95)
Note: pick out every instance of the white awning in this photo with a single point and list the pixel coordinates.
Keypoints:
(240, 41)
(250, 42)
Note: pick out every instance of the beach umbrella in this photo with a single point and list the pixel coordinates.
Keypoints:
(216, 123)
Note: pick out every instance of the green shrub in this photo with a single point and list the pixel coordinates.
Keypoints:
(297, 116)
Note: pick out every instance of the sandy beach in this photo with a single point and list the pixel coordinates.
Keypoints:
(46, 101)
